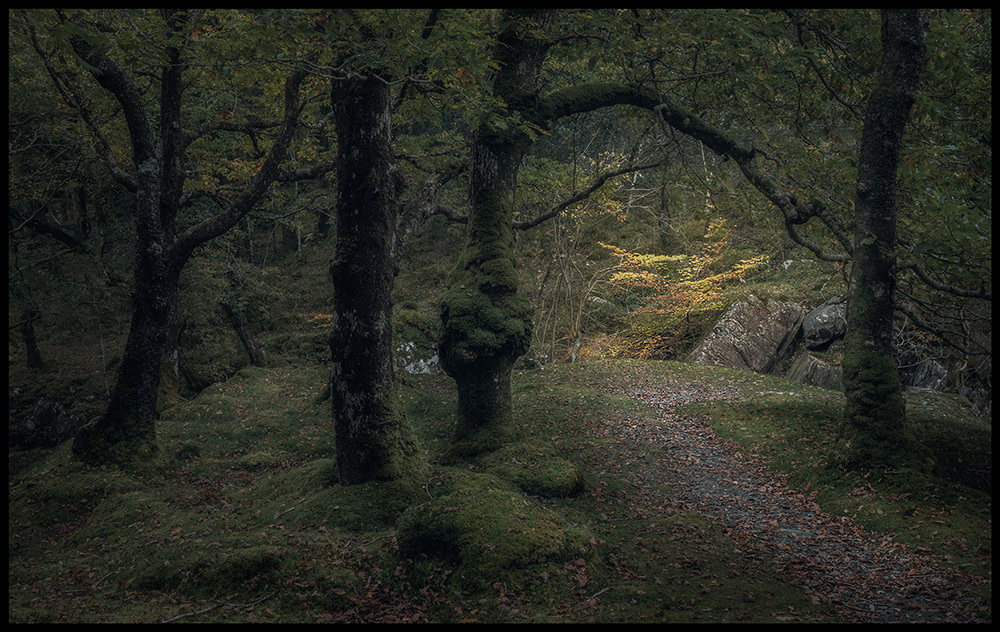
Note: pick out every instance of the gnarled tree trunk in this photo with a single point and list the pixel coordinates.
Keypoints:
(486, 322)
(126, 432)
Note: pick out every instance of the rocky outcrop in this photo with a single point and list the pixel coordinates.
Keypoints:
(823, 329)
(762, 337)
(751, 335)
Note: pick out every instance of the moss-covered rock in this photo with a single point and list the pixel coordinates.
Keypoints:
(536, 470)
(488, 528)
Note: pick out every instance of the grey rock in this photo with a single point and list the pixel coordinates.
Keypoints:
(751, 335)
(818, 370)
(825, 324)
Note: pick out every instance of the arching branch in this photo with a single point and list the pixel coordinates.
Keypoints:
(596, 184)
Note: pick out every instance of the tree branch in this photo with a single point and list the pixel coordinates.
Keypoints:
(671, 114)
(954, 290)
(71, 94)
(239, 207)
(596, 184)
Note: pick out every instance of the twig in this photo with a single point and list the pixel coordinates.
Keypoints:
(599, 592)
(215, 605)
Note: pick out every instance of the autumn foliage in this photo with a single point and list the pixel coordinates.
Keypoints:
(669, 296)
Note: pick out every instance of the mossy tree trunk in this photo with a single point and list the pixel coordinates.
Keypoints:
(373, 441)
(486, 323)
(874, 430)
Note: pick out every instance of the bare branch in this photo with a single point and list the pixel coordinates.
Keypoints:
(596, 184)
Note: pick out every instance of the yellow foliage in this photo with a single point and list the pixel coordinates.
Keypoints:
(673, 288)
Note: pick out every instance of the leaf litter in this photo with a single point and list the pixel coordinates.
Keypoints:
(863, 577)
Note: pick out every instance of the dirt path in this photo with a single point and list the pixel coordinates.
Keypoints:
(866, 580)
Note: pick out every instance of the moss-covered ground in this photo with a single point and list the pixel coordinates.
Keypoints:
(240, 520)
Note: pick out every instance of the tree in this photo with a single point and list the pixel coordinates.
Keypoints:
(125, 432)
(874, 430)
(486, 323)
(373, 441)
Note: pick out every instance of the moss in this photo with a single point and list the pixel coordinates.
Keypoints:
(310, 494)
(389, 441)
(410, 325)
(95, 443)
(480, 326)
(874, 431)
(368, 506)
(205, 572)
(488, 528)
(473, 438)
(535, 469)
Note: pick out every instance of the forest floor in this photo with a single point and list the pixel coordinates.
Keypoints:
(863, 577)
(704, 499)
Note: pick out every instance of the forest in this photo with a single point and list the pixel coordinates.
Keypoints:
(414, 315)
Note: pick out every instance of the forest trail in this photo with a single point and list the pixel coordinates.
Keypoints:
(864, 578)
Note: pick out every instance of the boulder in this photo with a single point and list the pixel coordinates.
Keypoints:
(818, 369)
(46, 426)
(922, 373)
(825, 324)
(751, 335)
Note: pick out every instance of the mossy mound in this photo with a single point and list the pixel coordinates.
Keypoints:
(310, 494)
(202, 571)
(536, 470)
(488, 528)
(478, 441)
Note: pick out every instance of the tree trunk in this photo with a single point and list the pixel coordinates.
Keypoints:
(486, 323)
(28, 336)
(874, 428)
(126, 432)
(373, 441)
(239, 325)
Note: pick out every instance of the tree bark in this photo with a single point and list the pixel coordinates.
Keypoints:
(874, 430)
(126, 430)
(486, 323)
(27, 327)
(373, 441)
